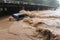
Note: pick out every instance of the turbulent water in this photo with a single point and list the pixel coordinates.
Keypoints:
(19, 29)
(57, 11)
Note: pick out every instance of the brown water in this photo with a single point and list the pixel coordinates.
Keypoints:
(20, 29)
(5, 23)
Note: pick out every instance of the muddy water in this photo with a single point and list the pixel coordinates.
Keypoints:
(5, 23)
(51, 18)
(53, 24)
(22, 27)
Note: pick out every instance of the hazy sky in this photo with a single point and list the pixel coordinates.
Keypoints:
(59, 1)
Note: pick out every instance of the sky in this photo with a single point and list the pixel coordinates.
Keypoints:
(59, 1)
